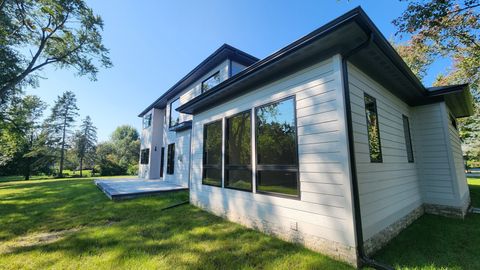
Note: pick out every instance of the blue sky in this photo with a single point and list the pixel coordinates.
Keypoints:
(155, 43)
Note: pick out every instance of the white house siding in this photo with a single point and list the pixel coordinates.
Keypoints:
(459, 171)
(323, 214)
(389, 190)
(165, 136)
(152, 137)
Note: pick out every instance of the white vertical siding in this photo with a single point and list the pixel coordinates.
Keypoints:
(324, 209)
(388, 190)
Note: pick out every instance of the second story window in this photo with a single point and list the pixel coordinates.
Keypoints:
(147, 120)
(174, 114)
(211, 82)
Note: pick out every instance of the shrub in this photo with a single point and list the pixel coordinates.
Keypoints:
(132, 169)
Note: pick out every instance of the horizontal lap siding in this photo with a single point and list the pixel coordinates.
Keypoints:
(388, 190)
(324, 207)
(458, 160)
(433, 155)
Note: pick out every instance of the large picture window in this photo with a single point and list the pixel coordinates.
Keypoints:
(212, 154)
(211, 82)
(144, 153)
(373, 129)
(238, 160)
(408, 138)
(276, 146)
(171, 158)
(174, 114)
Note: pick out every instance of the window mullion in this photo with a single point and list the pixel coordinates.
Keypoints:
(254, 152)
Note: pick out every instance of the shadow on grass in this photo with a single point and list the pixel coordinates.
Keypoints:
(134, 234)
(434, 242)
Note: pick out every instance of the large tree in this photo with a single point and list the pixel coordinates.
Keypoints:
(85, 141)
(20, 133)
(126, 142)
(60, 122)
(37, 33)
(446, 29)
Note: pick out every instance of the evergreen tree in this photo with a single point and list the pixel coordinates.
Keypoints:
(85, 140)
(60, 123)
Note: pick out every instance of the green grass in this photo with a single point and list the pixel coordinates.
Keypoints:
(434, 242)
(70, 224)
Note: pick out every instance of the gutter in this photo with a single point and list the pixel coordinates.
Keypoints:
(364, 259)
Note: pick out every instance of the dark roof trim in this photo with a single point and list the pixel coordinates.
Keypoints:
(232, 53)
(449, 89)
(182, 126)
(325, 29)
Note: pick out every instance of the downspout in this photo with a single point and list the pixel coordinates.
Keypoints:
(364, 259)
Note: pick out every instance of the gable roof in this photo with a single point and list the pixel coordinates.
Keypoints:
(379, 60)
(221, 54)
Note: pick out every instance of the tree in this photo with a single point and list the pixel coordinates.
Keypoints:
(446, 28)
(126, 142)
(55, 32)
(60, 122)
(23, 145)
(85, 141)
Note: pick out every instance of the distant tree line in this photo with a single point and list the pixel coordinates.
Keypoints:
(30, 146)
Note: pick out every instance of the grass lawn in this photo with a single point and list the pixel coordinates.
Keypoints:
(70, 224)
(434, 242)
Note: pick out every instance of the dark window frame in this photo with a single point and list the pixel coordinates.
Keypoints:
(145, 156)
(408, 139)
(212, 166)
(170, 115)
(453, 121)
(209, 77)
(380, 160)
(171, 159)
(149, 121)
(228, 166)
(277, 167)
(162, 161)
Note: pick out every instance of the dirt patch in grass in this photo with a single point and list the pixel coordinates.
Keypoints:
(35, 239)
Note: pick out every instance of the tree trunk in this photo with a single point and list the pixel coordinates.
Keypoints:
(62, 154)
(81, 166)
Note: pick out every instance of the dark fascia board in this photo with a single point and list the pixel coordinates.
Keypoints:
(190, 106)
(458, 98)
(356, 15)
(221, 54)
(182, 126)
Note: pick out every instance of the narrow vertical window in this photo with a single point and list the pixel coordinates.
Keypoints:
(276, 147)
(174, 114)
(162, 160)
(408, 138)
(373, 129)
(144, 156)
(171, 158)
(212, 154)
(238, 159)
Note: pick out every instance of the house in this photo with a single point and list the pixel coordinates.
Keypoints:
(331, 142)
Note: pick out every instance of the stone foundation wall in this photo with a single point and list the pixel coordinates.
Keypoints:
(330, 248)
(447, 211)
(379, 240)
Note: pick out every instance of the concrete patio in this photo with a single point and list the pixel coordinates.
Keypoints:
(128, 188)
